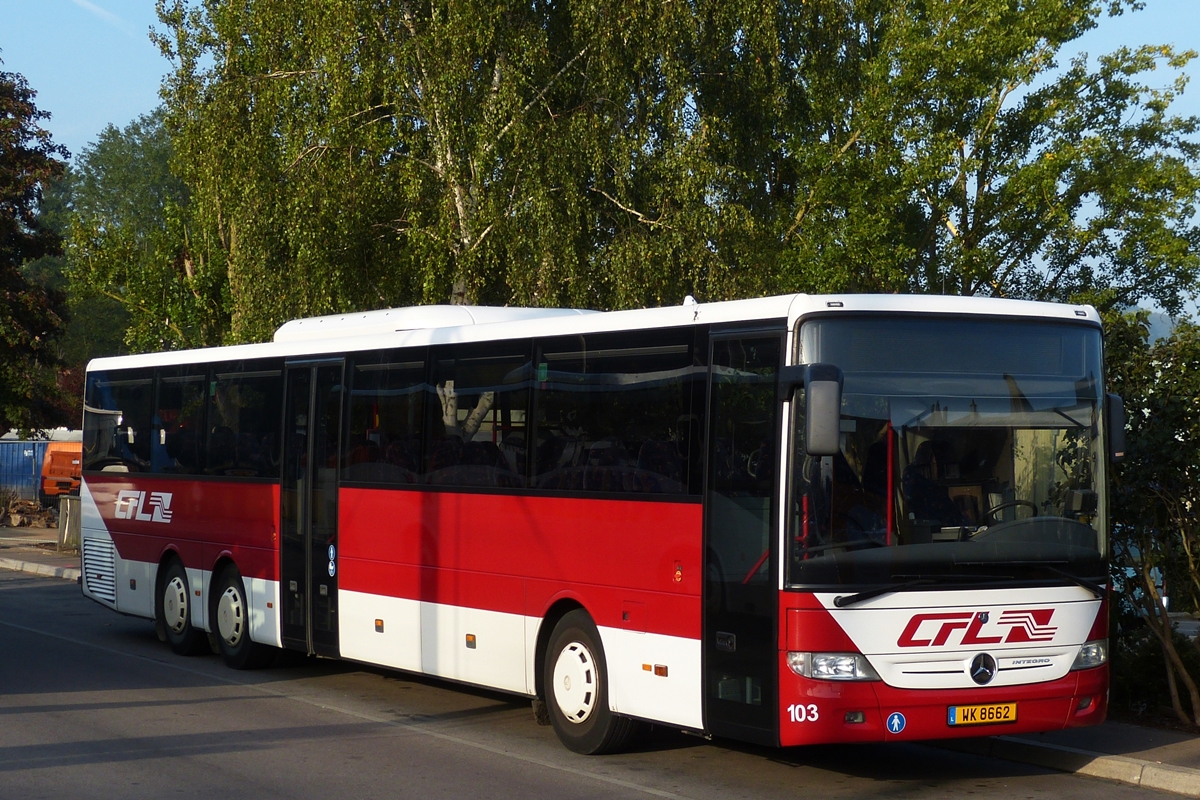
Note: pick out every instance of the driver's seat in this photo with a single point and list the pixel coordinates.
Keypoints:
(927, 499)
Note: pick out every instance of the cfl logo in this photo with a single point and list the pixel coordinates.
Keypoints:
(135, 505)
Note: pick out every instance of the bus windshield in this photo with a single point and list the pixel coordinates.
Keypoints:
(971, 452)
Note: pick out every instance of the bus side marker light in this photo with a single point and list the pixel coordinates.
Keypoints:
(647, 667)
(660, 670)
(379, 626)
(470, 641)
(855, 717)
(270, 604)
(197, 593)
(133, 584)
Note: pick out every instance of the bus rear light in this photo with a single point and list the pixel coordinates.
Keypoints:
(1092, 654)
(832, 666)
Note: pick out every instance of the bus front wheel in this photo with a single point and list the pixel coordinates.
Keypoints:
(575, 678)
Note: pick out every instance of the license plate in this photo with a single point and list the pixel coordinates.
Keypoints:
(991, 714)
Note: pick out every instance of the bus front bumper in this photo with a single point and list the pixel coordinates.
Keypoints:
(819, 712)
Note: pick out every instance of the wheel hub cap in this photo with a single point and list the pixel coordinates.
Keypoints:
(230, 619)
(575, 687)
(175, 605)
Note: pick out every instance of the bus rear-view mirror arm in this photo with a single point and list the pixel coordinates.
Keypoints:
(1116, 428)
(822, 404)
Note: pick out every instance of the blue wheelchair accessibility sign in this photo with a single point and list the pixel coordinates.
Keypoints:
(895, 722)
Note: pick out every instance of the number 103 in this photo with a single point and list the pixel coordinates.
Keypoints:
(803, 713)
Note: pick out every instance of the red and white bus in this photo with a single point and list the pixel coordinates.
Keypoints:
(788, 520)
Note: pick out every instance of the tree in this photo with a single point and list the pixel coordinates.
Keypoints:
(354, 154)
(1157, 489)
(129, 260)
(30, 312)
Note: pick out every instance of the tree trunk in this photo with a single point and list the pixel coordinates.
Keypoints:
(1160, 626)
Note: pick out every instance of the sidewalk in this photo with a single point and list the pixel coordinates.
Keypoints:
(1168, 761)
(34, 550)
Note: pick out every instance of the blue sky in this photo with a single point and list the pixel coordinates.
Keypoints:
(92, 63)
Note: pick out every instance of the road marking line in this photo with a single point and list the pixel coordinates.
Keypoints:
(414, 728)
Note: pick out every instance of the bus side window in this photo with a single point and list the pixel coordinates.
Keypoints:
(387, 398)
(614, 413)
(477, 412)
(244, 399)
(117, 420)
(177, 435)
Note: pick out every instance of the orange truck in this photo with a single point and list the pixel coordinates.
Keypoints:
(61, 470)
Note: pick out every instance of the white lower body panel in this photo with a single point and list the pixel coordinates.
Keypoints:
(638, 692)
(432, 638)
(263, 597)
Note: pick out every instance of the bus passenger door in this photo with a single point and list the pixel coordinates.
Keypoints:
(308, 513)
(741, 662)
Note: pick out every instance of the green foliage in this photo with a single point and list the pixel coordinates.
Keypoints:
(31, 309)
(1156, 493)
(130, 265)
(350, 154)
(1139, 687)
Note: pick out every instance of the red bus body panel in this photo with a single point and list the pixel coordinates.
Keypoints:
(519, 554)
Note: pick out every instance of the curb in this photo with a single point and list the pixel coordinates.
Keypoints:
(1133, 771)
(34, 568)
(1123, 769)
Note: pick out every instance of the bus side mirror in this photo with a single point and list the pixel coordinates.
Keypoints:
(823, 411)
(1116, 428)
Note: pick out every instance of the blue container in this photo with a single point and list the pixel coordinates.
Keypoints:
(21, 467)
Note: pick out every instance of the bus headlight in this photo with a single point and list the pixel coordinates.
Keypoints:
(832, 666)
(1092, 654)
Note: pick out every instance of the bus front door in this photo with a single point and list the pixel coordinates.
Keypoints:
(741, 563)
(309, 506)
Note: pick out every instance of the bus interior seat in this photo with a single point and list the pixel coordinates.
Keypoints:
(927, 498)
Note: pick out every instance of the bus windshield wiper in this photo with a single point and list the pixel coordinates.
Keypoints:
(1091, 586)
(850, 599)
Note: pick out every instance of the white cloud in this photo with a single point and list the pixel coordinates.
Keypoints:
(104, 14)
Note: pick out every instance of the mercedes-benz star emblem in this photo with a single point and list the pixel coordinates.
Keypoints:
(983, 669)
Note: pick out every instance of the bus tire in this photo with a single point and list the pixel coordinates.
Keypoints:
(575, 677)
(231, 624)
(173, 612)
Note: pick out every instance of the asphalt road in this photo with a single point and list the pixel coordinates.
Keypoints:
(92, 705)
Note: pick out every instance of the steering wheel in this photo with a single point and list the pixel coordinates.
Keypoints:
(991, 515)
(753, 462)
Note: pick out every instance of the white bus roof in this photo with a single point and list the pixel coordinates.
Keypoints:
(425, 325)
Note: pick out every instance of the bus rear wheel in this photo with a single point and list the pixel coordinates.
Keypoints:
(231, 615)
(575, 678)
(173, 612)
